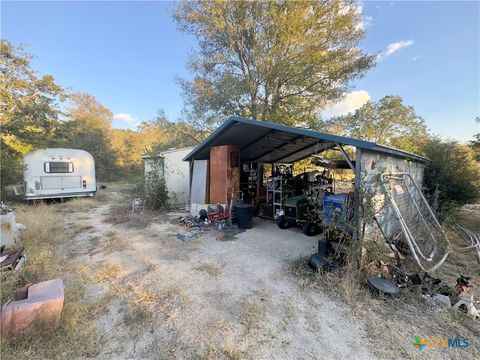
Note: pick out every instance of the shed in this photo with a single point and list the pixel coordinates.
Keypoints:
(169, 165)
(261, 143)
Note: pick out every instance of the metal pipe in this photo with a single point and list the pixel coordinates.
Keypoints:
(413, 246)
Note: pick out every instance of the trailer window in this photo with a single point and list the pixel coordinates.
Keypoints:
(58, 167)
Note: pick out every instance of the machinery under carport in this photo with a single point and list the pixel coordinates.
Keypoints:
(283, 171)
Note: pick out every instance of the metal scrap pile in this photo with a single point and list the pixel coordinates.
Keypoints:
(215, 218)
(391, 279)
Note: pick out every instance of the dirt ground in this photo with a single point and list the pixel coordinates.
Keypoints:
(158, 290)
(208, 297)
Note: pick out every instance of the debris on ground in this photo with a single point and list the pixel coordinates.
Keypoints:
(186, 236)
(465, 302)
(215, 219)
(137, 205)
(13, 259)
(443, 299)
(381, 286)
(10, 229)
(473, 238)
(41, 303)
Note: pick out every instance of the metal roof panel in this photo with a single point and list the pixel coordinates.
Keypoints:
(267, 142)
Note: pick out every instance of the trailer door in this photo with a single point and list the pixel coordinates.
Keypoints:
(61, 182)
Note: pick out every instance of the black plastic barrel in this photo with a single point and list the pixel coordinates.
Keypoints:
(244, 215)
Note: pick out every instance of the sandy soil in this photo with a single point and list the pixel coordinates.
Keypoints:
(207, 298)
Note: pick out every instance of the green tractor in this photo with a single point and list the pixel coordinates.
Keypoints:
(296, 212)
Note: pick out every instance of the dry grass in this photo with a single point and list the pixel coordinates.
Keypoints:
(117, 187)
(81, 204)
(113, 242)
(211, 268)
(151, 266)
(80, 228)
(346, 284)
(122, 214)
(464, 262)
(397, 322)
(232, 352)
(107, 272)
(45, 225)
(253, 312)
(137, 315)
(75, 335)
(102, 196)
(147, 304)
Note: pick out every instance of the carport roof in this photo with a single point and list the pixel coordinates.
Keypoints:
(260, 141)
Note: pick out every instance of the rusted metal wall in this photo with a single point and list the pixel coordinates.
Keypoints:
(224, 173)
(373, 164)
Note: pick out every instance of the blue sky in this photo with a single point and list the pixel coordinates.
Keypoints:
(127, 54)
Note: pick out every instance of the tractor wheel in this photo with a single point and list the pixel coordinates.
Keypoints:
(282, 224)
(309, 228)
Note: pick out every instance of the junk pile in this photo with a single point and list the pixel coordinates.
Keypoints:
(413, 229)
(37, 304)
(217, 219)
(390, 283)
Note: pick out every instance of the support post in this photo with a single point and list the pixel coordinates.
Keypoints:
(357, 216)
(346, 157)
(190, 172)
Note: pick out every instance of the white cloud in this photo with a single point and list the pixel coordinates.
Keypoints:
(351, 102)
(394, 47)
(416, 57)
(367, 21)
(126, 118)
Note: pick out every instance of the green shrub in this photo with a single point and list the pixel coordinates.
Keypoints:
(155, 190)
(453, 176)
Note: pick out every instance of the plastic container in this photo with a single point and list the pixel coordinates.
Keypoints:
(244, 215)
(334, 206)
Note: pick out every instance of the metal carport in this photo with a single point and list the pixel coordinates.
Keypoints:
(273, 143)
(262, 142)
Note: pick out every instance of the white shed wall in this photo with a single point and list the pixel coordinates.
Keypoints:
(176, 173)
(373, 164)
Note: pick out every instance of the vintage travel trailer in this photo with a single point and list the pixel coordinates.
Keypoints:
(58, 173)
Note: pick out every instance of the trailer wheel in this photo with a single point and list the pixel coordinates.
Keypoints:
(309, 228)
(282, 223)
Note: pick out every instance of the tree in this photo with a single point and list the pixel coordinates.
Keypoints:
(160, 134)
(388, 122)
(452, 171)
(88, 127)
(475, 143)
(276, 61)
(86, 109)
(29, 108)
(128, 146)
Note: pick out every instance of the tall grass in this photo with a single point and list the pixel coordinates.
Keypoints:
(43, 240)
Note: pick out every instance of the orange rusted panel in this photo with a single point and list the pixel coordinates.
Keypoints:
(224, 173)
